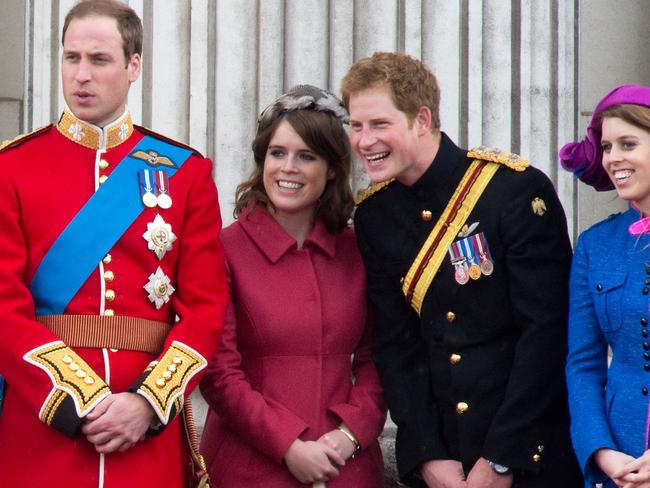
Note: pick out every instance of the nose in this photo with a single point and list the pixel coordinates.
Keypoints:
(366, 138)
(83, 71)
(615, 154)
(289, 164)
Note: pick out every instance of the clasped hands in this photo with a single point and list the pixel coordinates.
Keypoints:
(118, 422)
(623, 469)
(313, 461)
(448, 473)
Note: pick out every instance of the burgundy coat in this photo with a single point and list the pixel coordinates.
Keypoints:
(284, 370)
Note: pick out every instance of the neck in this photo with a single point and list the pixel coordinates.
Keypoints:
(298, 226)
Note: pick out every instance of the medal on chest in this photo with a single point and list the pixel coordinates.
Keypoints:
(159, 288)
(471, 258)
(159, 236)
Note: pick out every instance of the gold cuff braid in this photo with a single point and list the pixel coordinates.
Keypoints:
(70, 374)
(165, 385)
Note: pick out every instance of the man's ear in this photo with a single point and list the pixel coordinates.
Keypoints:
(423, 120)
(134, 66)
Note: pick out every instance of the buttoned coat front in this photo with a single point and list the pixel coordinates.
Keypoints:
(284, 370)
(609, 286)
(45, 179)
(479, 372)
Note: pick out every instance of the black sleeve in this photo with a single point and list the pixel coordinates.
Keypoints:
(401, 357)
(538, 255)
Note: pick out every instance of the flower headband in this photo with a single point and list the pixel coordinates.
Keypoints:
(584, 158)
(304, 97)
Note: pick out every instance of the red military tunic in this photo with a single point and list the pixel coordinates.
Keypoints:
(45, 179)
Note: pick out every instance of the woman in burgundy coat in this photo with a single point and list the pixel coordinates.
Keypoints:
(295, 398)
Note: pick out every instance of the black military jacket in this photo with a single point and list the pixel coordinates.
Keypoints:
(481, 371)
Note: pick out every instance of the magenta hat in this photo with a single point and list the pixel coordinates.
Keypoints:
(584, 159)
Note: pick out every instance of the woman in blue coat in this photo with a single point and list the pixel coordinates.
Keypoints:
(609, 297)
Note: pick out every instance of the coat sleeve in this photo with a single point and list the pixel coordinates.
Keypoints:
(199, 302)
(36, 365)
(364, 412)
(538, 254)
(586, 370)
(402, 361)
(262, 422)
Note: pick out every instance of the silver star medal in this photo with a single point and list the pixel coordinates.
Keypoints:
(159, 288)
(159, 236)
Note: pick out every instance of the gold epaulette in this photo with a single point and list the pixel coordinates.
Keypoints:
(511, 160)
(371, 190)
(22, 138)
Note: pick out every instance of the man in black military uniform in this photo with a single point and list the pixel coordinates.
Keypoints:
(468, 258)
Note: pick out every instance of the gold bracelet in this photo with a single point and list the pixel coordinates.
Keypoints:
(353, 439)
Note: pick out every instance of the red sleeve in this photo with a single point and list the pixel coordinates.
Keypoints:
(34, 362)
(365, 411)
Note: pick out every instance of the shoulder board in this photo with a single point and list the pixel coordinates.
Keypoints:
(17, 141)
(511, 160)
(151, 133)
(371, 190)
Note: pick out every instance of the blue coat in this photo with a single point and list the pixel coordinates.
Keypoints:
(609, 285)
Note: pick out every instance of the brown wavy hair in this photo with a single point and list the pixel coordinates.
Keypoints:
(324, 134)
(411, 84)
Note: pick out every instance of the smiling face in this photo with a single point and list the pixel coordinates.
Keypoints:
(626, 159)
(384, 139)
(95, 75)
(294, 176)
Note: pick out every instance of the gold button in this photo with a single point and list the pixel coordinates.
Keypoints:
(172, 368)
(73, 366)
(110, 295)
(107, 259)
(426, 215)
(177, 360)
(461, 408)
(66, 359)
(102, 179)
(160, 383)
(89, 380)
(109, 276)
(540, 448)
(109, 312)
(167, 375)
(537, 458)
(454, 358)
(451, 317)
(103, 164)
(81, 373)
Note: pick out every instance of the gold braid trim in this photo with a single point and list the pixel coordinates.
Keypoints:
(51, 406)
(23, 137)
(433, 251)
(511, 160)
(69, 373)
(371, 190)
(165, 385)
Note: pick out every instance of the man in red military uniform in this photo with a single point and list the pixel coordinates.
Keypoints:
(112, 280)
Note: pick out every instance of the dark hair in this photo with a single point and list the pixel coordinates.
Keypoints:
(129, 24)
(637, 115)
(411, 84)
(324, 134)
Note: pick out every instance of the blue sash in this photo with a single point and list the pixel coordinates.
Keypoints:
(97, 227)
